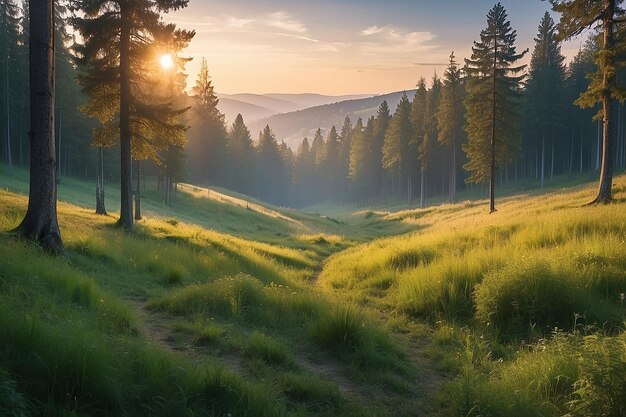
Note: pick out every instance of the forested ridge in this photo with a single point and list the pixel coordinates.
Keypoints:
(418, 152)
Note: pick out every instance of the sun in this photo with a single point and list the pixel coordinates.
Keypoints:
(166, 61)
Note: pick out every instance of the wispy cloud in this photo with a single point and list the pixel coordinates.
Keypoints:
(235, 22)
(302, 38)
(284, 21)
(397, 39)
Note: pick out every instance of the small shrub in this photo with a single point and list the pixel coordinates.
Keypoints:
(174, 275)
(319, 393)
(342, 329)
(532, 294)
(268, 350)
(12, 402)
(413, 258)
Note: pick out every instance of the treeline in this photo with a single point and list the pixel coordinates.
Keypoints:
(73, 129)
(435, 142)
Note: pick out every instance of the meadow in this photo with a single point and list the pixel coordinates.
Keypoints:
(222, 306)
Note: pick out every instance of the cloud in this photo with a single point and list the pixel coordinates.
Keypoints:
(302, 38)
(397, 39)
(372, 30)
(282, 20)
(235, 22)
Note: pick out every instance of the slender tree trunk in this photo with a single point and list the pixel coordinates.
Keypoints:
(552, 160)
(608, 82)
(571, 155)
(9, 151)
(598, 136)
(138, 193)
(492, 167)
(543, 156)
(422, 187)
(581, 147)
(40, 222)
(126, 203)
(59, 162)
(100, 206)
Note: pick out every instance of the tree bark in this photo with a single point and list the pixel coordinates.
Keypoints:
(608, 82)
(100, 206)
(126, 191)
(543, 157)
(138, 193)
(40, 222)
(492, 167)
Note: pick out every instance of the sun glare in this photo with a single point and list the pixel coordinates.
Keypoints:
(166, 61)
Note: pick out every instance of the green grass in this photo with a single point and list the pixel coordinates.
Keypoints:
(222, 305)
(176, 318)
(490, 286)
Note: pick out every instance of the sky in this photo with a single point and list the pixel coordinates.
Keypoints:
(343, 46)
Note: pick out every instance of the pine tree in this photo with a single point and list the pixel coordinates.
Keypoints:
(419, 123)
(242, 150)
(360, 155)
(428, 146)
(544, 88)
(40, 222)
(303, 173)
(117, 36)
(492, 101)
(396, 156)
(9, 27)
(576, 16)
(208, 144)
(331, 169)
(450, 118)
(383, 118)
(345, 139)
(269, 166)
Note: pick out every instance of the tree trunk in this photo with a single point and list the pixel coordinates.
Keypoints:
(492, 167)
(543, 156)
(100, 206)
(126, 191)
(552, 160)
(608, 82)
(138, 193)
(422, 187)
(40, 222)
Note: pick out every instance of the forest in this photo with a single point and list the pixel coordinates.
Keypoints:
(459, 254)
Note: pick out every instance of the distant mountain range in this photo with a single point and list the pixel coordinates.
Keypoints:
(294, 126)
(254, 107)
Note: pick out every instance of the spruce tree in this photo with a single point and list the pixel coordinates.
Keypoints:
(492, 102)
(545, 86)
(428, 146)
(383, 118)
(576, 16)
(40, 221)
(359, 156)
(418, 123)
(269, 166)
(117, 35)
(9, 27)
(450, 119)
(332, 164)
(303, 173)
(242, 150)
(396, 156)
(208, 143)
(345, 139)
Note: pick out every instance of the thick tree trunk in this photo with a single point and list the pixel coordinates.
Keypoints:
(608, 82)
(126, 191)
(100, 206)
(9, 150)
(40, 222)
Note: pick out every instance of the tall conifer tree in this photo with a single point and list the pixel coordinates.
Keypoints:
(493, 99)
(576, 16)
(450, 118)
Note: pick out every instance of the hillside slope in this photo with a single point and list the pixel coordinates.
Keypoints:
(294, 126)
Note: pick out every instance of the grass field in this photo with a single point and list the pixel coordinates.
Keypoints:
(220, 305)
